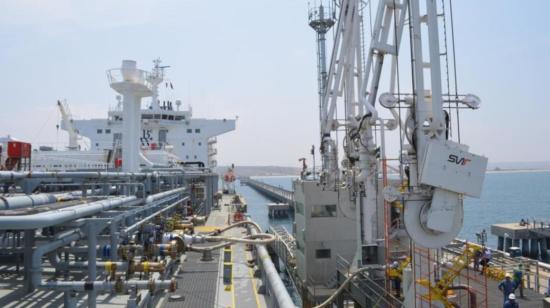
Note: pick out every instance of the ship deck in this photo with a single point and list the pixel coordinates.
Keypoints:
(200, 283)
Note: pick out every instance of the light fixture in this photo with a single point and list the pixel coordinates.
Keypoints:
(472, 101)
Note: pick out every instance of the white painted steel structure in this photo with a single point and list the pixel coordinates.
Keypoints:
(163, 134)
(434, 172)
(133, 84)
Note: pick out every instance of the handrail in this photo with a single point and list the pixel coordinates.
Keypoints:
(280, 192)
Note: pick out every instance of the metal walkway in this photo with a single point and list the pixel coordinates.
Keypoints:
(274, 193)
(284, 246)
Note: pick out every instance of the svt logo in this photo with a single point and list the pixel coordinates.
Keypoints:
(459, 161)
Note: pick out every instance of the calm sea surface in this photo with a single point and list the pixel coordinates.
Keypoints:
(507, 197)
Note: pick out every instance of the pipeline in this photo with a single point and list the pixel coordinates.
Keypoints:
(55, 217)
(109, 266)
(35, 200)
(118, 286)
(6, 176)
(134, 227)
(17, 202)
(278, 287)
(36, 260)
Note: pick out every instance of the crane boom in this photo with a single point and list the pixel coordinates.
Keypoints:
(68, 125)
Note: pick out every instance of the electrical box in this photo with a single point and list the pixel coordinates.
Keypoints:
(450, 166)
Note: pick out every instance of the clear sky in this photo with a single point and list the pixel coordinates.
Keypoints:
(256, 59)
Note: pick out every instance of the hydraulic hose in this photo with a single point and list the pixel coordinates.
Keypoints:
(341, 288)
(237, 224)
(261, 239)
(255, 239)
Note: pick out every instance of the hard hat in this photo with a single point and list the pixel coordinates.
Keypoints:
(395, 263)
(512, 296)
(507, 275)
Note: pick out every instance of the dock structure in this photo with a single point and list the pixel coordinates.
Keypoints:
(533, 238)
(276, 210)
(274, 193)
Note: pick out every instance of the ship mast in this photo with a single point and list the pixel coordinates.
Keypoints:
(321, 19)
(155, 78)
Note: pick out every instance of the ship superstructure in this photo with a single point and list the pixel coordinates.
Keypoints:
(167, 134)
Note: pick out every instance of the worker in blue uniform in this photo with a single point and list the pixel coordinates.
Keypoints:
(507, 286)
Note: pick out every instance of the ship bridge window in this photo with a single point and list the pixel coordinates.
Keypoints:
(328, 210)
(100, 131)
(322, 253)
(197, 130)
(107, 131)
(189, 130)
(164, 117)
(179, 118)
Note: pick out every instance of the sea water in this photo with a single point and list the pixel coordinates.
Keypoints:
(507, 197)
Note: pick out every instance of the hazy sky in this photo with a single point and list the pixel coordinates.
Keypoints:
(256, 59)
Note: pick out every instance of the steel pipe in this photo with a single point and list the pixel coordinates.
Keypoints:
(84, 286)
(12, 175)
(17, 202)
(55, 217)
(36, 260)
(278, 287)
(134, 227)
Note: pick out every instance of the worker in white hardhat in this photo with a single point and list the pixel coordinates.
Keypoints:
(511, 302)
(507, 286)
(396, 278)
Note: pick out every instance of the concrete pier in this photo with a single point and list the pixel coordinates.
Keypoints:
(525, 247)
(278, 210)
(533, 237)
